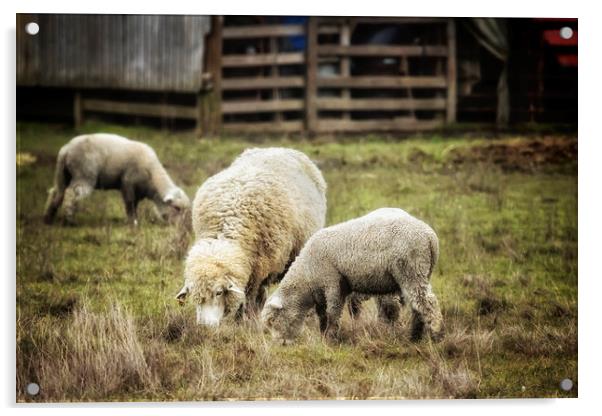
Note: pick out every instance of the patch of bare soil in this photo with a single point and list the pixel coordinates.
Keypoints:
(520, 155)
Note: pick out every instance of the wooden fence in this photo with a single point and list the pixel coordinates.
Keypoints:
(265, 86)
(251, 73)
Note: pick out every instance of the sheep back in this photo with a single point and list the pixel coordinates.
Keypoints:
(270, 201)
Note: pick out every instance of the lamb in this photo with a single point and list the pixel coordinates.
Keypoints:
(108, 161)
(385, 252)
(250, 221)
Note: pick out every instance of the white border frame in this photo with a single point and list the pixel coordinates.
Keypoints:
(590, 147)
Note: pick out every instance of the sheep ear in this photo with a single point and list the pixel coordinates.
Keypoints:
(233, 288)
(275, 302)
(181, 296)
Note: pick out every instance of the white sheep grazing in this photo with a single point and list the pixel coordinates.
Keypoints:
(108, 161)
(250, 221)
(384, 252)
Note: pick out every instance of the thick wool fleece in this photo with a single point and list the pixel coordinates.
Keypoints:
(108, 161)
(252, 219)
(385, 252)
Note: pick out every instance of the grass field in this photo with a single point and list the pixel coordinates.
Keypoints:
(97, 319)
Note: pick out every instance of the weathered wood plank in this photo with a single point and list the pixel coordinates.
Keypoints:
(141, 109)
(383, 82)
(241, 107)
(311, 88)
(329, 29)
(295, 126)
(263, 31)
(383, 50)
(391, 104)
(275, 73)
(212, 102)
(334, 125)
(345, 41)
(263, 59)
(262, 83)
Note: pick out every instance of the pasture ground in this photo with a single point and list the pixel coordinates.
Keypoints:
(97, 319)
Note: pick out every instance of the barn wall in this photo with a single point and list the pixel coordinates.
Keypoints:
(139, 52)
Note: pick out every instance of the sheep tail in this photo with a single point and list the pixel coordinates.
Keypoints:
(434, 247)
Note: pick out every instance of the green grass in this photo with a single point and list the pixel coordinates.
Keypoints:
(96, 318)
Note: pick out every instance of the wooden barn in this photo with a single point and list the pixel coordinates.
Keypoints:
(296, 74)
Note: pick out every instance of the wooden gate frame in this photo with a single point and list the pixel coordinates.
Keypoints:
(214, 107)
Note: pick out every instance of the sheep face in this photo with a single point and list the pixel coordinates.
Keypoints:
(281, 318)
(173, 205)
(213, 290)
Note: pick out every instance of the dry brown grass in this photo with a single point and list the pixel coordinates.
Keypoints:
(111, 356)
(106, 355)
(92, 356)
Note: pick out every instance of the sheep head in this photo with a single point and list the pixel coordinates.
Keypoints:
(282, 317)
(212, 285)
(173, 205)
(213, 303)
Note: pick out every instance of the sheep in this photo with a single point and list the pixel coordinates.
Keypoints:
(250, 221)
(108, 161)
(385, 252)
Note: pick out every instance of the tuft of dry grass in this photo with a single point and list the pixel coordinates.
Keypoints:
(540, 341)
(91, 356)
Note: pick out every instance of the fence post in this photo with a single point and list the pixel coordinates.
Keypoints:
(451, 71)
(311, 113)
(210, 102)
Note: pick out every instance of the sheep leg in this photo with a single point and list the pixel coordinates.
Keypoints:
(417, 326)
(55, 199)
(354, 306)
(252, 293)
(426, 311)
(74, 194)
(57, 193)
(334, 309)
(131, 204)
(388, 308)
(262, 295)
(321, 312)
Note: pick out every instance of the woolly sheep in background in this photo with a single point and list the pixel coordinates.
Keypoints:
(108, 161)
